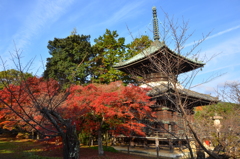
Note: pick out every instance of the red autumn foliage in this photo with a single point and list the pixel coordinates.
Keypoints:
(120, 107)
(18, 103)
(34, 103)
(37, 104)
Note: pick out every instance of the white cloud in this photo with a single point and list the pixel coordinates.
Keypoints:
(219, 68)
(227, 63)
(83, 11)
(223, 32)
(217, 34)
(229, 55)
(126, 11)
(43, 14)
(218, 82)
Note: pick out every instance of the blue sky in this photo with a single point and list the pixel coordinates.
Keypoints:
(30, 24)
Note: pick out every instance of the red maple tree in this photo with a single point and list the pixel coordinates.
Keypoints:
(40, 104)
(20, 103)
(119, 107)
(35, 102)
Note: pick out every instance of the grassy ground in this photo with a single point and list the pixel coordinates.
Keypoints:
(11, 148)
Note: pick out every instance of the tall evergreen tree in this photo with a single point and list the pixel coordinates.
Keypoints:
(74, 60)
(70, 59)
(110, 49)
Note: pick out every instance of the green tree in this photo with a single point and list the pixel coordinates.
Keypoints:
(138, 45)
(110, 49)
(74, 60)
(12, 76)
(70, 59)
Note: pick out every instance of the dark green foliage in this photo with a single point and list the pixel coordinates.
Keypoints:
(74, 61)
(111, 49)
(12, 77)
(70, 59)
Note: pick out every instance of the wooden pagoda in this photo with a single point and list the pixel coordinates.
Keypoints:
(158, 66)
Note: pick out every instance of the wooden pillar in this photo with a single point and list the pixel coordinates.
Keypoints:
(113, 141)
(179, 144)
(91, 141)
(145, 144)
(132, 142)
(157, 144)
(129, 141)
(38, 137)
(156, 140)
(171, 149)
(32, 134)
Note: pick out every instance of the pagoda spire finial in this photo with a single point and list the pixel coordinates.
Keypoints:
(155, 24)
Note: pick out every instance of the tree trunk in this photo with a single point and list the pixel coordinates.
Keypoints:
(100, 146)
(189, 147)
(71, 143)
(195, 134)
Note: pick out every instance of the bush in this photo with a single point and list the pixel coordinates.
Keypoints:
(23, 135)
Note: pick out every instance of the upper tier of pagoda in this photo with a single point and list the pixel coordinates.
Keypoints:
(158, 60)
(159, 66)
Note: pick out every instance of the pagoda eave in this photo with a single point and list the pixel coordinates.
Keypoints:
(194, 98)
(153, 62)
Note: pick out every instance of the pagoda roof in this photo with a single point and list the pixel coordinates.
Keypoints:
(201, 99)
(155, 49)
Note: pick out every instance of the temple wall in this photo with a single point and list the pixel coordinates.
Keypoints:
(170, 121)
